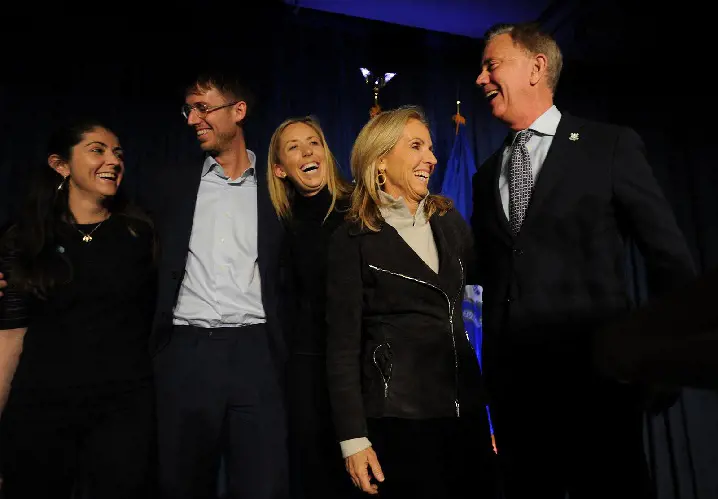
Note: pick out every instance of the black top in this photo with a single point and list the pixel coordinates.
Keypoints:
(91, 332)
(306, 251)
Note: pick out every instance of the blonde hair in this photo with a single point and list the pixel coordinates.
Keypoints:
(376, 140)
(281, 190)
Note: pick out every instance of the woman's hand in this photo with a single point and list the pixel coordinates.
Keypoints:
(358, 466)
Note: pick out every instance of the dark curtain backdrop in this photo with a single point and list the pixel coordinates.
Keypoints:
(297, 63)
(303, 62)
(648, 69)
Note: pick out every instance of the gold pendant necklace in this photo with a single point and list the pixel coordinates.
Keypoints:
(87, 237)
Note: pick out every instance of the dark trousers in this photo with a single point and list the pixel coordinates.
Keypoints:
(560, 429)
(449, 458)
(98, 446)
(219, 397)
(316, 465)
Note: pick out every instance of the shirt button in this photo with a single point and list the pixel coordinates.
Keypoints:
(221, 240)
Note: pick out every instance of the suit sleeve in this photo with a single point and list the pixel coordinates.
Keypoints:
(344, 326)
(649, 217)
(476, 273)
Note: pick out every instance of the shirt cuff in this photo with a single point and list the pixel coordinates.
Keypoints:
(354, 445)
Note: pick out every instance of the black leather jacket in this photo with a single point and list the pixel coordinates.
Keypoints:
(396, 340)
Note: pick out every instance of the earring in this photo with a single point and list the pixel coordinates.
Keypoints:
(62, 184)
(380, 178)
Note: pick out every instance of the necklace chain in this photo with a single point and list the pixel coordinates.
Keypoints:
(87, 236)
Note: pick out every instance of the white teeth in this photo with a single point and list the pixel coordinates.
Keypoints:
(423, 176)
(107, 175)
(309, 167)
(202, 132)
(492, 93)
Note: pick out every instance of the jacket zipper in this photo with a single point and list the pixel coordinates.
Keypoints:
(386, 380)
(453, 341)
(451, 323)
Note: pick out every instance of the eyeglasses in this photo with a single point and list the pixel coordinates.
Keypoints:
(202, 109)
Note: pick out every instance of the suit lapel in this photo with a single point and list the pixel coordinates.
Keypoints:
(563, 153)
(501, 219)
(268, 225)
(176, 204)
(185, 195)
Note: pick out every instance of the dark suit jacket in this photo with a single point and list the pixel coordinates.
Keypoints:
(170, 198)
(564, 273)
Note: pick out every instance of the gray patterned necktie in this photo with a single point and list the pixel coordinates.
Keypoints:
(521, 182)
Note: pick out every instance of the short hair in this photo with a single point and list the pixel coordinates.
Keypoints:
(228, 82)
(532, 39)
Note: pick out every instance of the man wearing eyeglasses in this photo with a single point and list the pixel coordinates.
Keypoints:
(217, 338)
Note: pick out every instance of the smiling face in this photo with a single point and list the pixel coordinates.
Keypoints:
(95, 166)
(507, 78)
(409, 164)
(302, 158)
(519, 82)
(217, 128)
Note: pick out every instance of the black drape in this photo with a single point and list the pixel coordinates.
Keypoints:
(297, 62)
(645, 68)
(130, 71)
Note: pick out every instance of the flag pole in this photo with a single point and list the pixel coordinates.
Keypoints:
(458, 119)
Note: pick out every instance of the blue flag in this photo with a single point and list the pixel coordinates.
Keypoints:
(460, 171)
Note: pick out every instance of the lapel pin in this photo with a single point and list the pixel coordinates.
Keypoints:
(573, 136)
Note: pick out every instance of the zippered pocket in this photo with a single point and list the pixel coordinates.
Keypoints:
(382, 358)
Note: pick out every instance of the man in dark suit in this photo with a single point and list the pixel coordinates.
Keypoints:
(553, 210)
(217, 338)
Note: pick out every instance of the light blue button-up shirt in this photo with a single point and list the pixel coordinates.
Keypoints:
(545, 128)
(221, 285)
